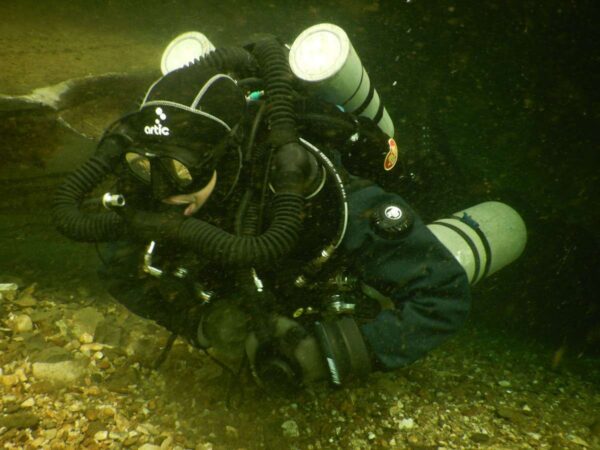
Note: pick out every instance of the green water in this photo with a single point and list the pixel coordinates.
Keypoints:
(492, 100)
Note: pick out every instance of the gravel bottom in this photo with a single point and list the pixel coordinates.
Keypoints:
(77, 372)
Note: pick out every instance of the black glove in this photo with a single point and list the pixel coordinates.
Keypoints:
(287, 357)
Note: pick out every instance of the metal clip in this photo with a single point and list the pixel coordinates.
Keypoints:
(257, 281)
(147, 267)
(338, 306)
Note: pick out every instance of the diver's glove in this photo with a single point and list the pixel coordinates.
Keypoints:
(291, 356)
(223, 327)
(285, 356)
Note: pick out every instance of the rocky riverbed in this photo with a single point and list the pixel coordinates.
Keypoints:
(76, 371)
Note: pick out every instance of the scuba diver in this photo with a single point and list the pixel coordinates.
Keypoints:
(243, 218)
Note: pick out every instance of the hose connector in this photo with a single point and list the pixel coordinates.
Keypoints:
(110, 201)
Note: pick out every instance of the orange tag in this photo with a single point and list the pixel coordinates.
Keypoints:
(392, 155)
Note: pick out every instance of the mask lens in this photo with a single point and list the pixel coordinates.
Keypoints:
(181, 173)
(139, 165)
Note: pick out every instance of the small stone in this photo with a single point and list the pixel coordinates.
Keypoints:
(9, 380)
(93, 390)
(406, 424)
(19, 421)
(167, 444)
(118, 435)
(101, 435)
(28, 403)
(103, 364)
(107, 412)
(509, 414)
(86, 338)
(480, 438)
(9, 290)
(86, 320)
(66, 372)
(22, 323)
(131, 439)
(290, 429)
(50, 434)
(504, 383)
(92, 347)
(577, 440)
(52, 354)
(25, 301)
(91, 414)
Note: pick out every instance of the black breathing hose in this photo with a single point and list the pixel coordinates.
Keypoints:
(202, 237)
(288, 203)
(66, 212)
(234, 59)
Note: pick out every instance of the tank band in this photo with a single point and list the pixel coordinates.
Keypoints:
(470, 243)
(486, 245)
(362, 77)
(365, 104)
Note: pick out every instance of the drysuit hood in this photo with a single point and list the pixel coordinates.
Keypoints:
(187, 116)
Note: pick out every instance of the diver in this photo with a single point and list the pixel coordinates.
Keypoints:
(243, 218)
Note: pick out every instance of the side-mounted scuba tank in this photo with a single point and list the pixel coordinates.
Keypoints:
(183, 50)
(323, 57)
(483, 238)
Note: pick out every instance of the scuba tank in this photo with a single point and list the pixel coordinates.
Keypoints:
(483, 238)
(183, 50)
(323, 57)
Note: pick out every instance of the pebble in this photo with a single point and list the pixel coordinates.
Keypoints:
(86, 338)
(90, 347)
(9, 380)
(504, 383)
(480, 438)
(107, 412)
(406, 424)
(118, 435)
(536, 436)
(101, 435)
(290, 429)
(85, 321)
(19, 421)
(577, 440)
(131, 439)
(22, 323)
(64, 372)
(28, 403)
(8, 290)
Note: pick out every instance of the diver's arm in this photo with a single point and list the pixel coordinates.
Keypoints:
(166, 301)
(428, 287)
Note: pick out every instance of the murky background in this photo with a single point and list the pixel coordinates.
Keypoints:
(493, 101)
